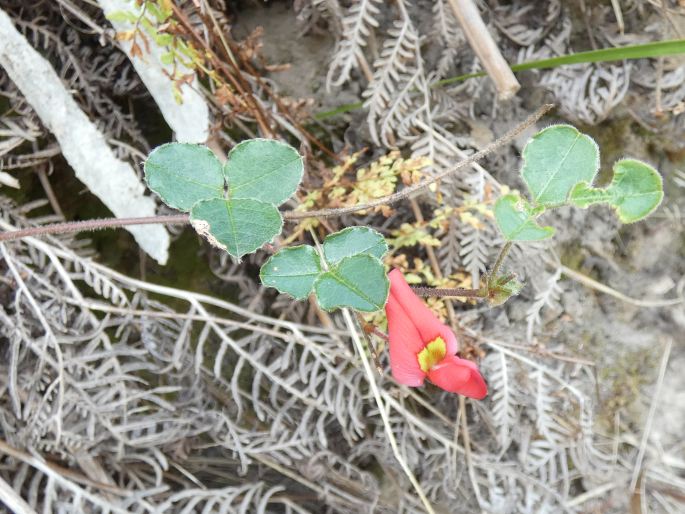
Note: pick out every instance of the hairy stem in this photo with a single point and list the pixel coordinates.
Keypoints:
(177, 219)
(91, 225)
(408, 191)
(498, 263)
(454, 291)
(369, 343)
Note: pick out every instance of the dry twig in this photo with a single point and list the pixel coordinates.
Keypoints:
(482, 43)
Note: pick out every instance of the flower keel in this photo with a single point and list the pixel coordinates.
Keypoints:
(460, 376)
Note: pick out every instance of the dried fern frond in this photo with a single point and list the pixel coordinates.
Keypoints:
(450, 37)
(81, 381)
(503, 394)
(394, 69)
(527, 25)
(357, 25)
(310, 11)
(588, 93)
(545, 298)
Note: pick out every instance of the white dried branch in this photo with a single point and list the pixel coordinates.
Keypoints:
(484, 46)
(86, 149)
(80, 71)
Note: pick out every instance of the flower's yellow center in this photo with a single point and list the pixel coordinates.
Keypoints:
(433, 353)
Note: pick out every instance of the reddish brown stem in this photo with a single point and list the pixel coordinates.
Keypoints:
(90, 225)
(455, 291)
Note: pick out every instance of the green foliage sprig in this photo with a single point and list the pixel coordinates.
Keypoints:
(560, 165)
(235, 207)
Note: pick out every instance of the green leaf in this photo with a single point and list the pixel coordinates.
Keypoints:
(516, 220)
(358, 282)
(292, 271)
(619, 53)
(354, 241)
(555, 160)
(635, 191)
(264, 169)
(156, 11)
(167, 58)
(121, 17)
(504, 288)
(163, 40)
(182, 174)
(238, 226)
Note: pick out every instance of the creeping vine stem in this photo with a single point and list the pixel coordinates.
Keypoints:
(98, 224)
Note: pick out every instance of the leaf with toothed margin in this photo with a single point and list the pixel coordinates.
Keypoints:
(239, 226)
(636, 189)
(358, 282)
(292, 271)
(182, 174)
(263, 169)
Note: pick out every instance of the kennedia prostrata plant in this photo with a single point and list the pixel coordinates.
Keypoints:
(235, 206)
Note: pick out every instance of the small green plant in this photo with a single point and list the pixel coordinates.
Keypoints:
(234, 206)
(560, 165)
(349, 273)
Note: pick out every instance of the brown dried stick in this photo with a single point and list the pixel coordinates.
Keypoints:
(482, 43)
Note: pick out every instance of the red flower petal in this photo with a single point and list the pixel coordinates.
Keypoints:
(460, 376)
(405, 343)
(428, 326)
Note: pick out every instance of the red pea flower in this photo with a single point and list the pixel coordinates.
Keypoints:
(421, 346)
